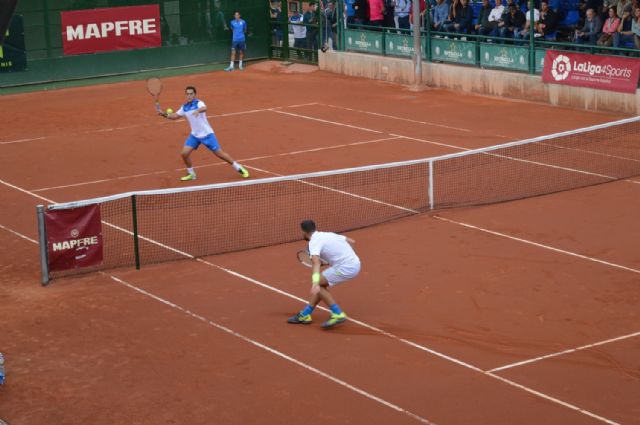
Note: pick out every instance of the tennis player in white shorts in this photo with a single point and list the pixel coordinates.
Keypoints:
(344, 265)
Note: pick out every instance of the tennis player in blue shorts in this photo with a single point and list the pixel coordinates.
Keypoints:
(238, 42)
(343, 263)
(201, 133)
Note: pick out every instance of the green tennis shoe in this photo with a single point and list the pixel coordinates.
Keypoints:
(334, 320)
(188, 177)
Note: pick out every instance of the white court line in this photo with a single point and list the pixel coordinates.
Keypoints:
(99, 181)
(327, 121)
(255, 158)
(399, 118)
(22, 140)
(20, 235)
(561, 353)
(388, 334)
(539, 245)
(255, 343)
(274, 352)
(105, 130)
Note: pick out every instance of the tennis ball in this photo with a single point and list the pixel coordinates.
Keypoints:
(169, 111)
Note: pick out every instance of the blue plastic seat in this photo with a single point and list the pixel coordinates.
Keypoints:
(572, 17)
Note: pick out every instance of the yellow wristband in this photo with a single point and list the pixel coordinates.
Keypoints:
(315, 278)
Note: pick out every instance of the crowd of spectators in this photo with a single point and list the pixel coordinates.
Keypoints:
(609, 23)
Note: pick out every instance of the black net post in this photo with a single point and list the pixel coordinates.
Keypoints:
(134, 216)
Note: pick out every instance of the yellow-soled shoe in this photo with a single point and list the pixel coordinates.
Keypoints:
(300, 319)
(188, 177)
(334, 320)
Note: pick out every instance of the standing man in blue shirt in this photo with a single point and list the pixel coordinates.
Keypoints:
(238, 43)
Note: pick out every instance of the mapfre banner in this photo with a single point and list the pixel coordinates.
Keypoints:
(74, 237)
(113, 28)
(598, 72)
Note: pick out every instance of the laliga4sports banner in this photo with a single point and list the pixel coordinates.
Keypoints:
(74, 237)
(112, 28)
(599, 72)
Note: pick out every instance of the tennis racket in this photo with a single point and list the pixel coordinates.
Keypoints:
(305, 259)
(154, 85)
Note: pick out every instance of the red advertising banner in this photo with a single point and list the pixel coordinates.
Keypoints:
(599, 72)
(112, 28)
(74, 237)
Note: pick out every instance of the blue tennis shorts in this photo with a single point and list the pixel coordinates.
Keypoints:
(210, 141)
(238, 45)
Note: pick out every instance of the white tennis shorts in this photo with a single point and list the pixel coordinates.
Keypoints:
(341, 273)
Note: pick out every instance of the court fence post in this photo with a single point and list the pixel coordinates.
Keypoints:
(136, 245)
(285, 31)
(431, 205)
(42, 239)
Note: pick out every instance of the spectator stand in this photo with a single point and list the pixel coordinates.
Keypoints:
(470, 49)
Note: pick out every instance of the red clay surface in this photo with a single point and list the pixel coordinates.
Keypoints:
(447, 303)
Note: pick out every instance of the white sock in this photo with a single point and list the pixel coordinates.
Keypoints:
(191, 171)
(231, 64)
(236, 166)
(241, 64)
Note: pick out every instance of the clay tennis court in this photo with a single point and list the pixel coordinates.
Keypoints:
(524, 312)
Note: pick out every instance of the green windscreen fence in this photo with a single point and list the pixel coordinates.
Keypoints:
(193, 32)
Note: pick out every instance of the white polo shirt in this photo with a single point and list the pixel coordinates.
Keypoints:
(334, 248)
(200, 126)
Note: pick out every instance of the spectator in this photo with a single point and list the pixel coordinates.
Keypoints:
(548, 20)
(350, 11)
(402, 11)
(299, 31)
(376, 15)
(276, 15)
(635, 27)
(513, 23)
(361, 12)
(494, 17)
(463, 18)
(524, 33)
(590, 30)
(482, 27)
(311, 18)
(454, 8)
(609, 28)
(331, 25)
(388, 11)
(440, 15)
(624, 34)
(621, 6)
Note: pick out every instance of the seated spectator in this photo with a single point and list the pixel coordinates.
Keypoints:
(548, 20)
(524, 33)
(482, 27)
(609, 28)
(512, 23)
(624, 34)
(462, 18)
(635, 27)
(621, 6)
(402, 10)
(454, 7)
(590, 30)
(440, 15)
(494, 18)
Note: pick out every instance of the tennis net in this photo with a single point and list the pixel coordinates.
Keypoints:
(146, 227)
